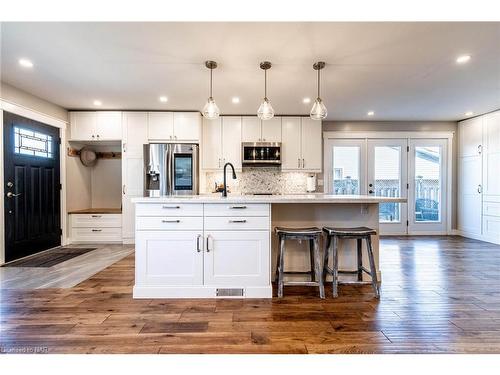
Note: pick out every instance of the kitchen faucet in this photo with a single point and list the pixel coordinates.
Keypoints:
(224, 192)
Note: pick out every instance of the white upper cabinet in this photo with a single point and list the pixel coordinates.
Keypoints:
(290, 145)
(211, 149)
(160, 126)
(301, 145)
(250, 129)
(311, 144)
(231, 140)
(471, 132)
(271, 130)
(255, 130)
(491, 154)
(96, 126)
(187, 126)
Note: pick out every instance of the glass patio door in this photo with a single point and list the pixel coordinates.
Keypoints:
(347, 174)
(387, 177)
(427, 179)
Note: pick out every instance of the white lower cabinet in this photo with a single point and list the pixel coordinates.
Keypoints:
(202, 256)
(169, 258)
(95, 228)
(237, 258)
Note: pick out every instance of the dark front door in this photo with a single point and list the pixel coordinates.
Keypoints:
(31, 186)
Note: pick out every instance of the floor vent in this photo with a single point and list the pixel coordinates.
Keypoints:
(229, 292)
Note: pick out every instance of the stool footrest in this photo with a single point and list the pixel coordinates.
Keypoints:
(301, 283)
(297, 272)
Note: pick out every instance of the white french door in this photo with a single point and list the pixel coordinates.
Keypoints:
(347, 175)
(412, 168)
(387, 177)
(427, 204)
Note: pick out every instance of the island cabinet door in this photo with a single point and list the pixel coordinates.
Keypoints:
(236, 258)
(166, 258)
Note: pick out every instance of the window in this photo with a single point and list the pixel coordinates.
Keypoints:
(346, 168)
(338, 173)
(32, 143)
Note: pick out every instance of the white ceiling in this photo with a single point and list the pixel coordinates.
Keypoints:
(402, 71)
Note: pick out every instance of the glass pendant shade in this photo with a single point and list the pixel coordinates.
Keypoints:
(210, 110)
(318, 110)
(265, 111)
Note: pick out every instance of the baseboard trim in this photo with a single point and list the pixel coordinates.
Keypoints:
(197, 292)
(478, 237)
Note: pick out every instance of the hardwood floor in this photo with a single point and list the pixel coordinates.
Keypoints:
(439, 295)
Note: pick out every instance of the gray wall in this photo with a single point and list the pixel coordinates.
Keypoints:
(415, 126)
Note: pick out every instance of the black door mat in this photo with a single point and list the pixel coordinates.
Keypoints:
(51, 257)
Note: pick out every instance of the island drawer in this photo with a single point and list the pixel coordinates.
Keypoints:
(169, 223)
(237, 223)
(96, 220)
(236, 209)
(96, 235)
(169, 209)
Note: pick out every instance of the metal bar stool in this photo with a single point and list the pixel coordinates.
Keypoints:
(359, 234)
(312, 235)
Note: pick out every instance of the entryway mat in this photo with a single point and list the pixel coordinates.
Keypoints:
(50, 258)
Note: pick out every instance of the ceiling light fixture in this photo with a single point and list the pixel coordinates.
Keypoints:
(306, 100)
(25, 63)
(163, 99)
(371, 113)
(463, 59)
(235, 100)
(318, 110)
(97, 103)
(469, 113)
(210, 110)
(265, 111)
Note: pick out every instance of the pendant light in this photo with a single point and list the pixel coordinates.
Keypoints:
(210, 110)
(318, 110)
(265, 111)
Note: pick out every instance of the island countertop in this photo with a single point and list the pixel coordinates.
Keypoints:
(275, 199)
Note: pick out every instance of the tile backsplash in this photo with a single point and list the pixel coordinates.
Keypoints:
(261, 180)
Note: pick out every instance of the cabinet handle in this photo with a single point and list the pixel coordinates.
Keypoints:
(174, 207)
(264, 139)
(238, 221)
(96, 230)
(93, 136)
(298, 163)
(171, 221)
(124, 147)
(238, 207)
(96, 215)
(198, 246)
(480, 149)
(479, 189)
(219, 162)
(123, 189)
(303, 163)
(97, 136)
(209, 237)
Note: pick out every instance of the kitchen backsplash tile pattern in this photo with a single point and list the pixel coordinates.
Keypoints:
(261, 180)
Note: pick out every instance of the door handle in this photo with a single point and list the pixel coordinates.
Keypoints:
(370, 191)
(12, 195)
(209, 237)
(198, 246)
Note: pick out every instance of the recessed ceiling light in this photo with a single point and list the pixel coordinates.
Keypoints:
(97, 103)
(306, 100)
(469, 113)
(163, 99)
(235, 100)
(371, 113)
(25, 63)
(463, 59)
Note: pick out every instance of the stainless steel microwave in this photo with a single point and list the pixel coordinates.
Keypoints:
(261, 153)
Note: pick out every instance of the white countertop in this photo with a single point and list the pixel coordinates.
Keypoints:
(289, 198)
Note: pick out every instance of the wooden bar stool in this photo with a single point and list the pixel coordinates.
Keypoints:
(312, 235)
(359, 234)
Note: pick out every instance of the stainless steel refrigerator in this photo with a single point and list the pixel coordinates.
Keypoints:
(171, 169)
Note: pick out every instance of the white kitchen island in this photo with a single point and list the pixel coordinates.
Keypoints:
(206, 246)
